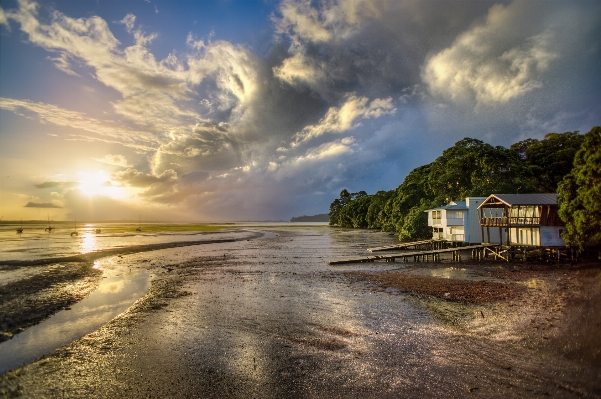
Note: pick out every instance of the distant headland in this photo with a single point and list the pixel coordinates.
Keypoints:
(322, 217)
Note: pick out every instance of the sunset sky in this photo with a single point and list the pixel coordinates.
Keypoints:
(241, 110)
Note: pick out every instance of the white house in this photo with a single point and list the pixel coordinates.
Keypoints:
(456, 221)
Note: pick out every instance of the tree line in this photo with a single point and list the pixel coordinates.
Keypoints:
(472, 168)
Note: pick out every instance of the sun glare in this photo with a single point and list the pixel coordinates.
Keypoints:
(94, 183)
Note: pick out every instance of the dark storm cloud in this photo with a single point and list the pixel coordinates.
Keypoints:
(56, 184)
(41, 205)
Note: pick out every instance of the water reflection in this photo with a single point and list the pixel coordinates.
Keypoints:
(88, 243)
(113, 297)
(535, 283)
(452, 272)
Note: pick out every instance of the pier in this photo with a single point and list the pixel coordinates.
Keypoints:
(478, 252)
(421, 245)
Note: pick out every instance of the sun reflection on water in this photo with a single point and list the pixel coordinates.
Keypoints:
(88, 243)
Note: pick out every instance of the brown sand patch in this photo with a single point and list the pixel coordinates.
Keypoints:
(331, 344)
(337, 331)
(444, 288)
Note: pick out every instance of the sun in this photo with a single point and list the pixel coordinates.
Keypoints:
(93, 183)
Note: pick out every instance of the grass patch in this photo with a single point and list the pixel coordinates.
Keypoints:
(184, 227)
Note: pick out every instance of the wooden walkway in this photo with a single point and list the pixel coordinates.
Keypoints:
(477, 252)
(422, 245)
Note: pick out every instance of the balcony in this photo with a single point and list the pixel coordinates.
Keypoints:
(504, 221)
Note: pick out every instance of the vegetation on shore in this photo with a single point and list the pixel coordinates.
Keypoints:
(580, 194)
(322, 217)
(474, 168)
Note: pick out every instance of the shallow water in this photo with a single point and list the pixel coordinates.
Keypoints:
(114, 295)
(125, 280)
(35, 243)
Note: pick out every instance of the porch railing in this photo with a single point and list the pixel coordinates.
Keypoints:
(510, 221)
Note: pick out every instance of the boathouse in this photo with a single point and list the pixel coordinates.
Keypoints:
(457, 221)
(521, 220)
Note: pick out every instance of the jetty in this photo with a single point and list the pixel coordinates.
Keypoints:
(477, 252)
(423, 245)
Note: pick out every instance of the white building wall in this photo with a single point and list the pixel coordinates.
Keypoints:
(473, 232)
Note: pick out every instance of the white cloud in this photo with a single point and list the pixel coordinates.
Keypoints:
(301, 19)
(493, 61)
(299, 69)
(345, 118)
(77, 120)
(117, 160)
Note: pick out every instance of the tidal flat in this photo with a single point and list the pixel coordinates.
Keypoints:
(264, 315)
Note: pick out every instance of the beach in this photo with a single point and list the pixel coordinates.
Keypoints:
(261, 314)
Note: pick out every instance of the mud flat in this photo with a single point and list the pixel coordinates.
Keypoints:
(269, 318)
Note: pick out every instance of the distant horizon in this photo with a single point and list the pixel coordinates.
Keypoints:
(126, 221)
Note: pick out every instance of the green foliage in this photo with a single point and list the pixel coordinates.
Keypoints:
(580, 193)
(551, 158)
(474, 168)
(414, 225)
(467, 169)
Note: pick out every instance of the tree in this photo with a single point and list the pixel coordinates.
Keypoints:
(376, 206)
(580, 194)
(472, 168)
(339, 208)
(550, 159)
(414, 225)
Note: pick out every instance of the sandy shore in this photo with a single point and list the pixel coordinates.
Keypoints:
(269, 318)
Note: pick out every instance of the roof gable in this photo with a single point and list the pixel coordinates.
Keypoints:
(521, 199)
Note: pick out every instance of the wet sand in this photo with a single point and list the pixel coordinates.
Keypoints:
(269, 318)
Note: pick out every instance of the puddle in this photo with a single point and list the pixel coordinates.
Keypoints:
(536, 283)
(456, 273)
(113, 296)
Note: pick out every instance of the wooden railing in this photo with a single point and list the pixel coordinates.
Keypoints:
(513, 221)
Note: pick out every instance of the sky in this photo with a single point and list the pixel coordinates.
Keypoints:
(235, 110)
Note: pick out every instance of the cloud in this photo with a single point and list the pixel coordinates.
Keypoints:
(117, 160)
(77, 120)
(498, 60)
(300, 70)
(42, 205)
(345, 118)
(134, 178)
(300, 19)
(140, 39)
(56, 184)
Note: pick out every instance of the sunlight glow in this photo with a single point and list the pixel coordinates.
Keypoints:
(98, 182)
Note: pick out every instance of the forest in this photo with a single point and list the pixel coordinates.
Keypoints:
(474, 168)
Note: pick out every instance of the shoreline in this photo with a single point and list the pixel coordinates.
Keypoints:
(199, 330)
(28, 301)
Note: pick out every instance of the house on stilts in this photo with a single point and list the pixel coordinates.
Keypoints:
(521, 220)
